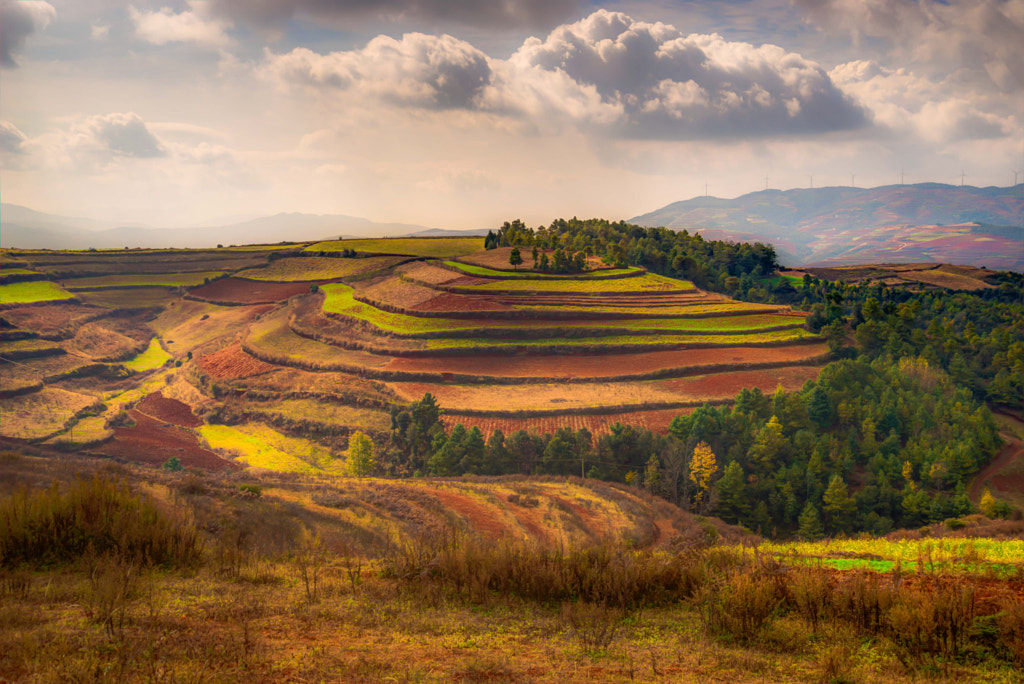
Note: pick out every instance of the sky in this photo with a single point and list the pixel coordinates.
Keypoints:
(466, 113)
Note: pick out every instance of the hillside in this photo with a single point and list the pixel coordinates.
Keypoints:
(928, 222)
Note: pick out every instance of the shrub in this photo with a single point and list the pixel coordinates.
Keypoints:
(54, 527)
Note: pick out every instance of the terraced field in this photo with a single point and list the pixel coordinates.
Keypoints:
(597, 348)
(284, 371)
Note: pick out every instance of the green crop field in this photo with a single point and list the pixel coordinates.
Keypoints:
(980, 555)
(144, 280)
(152, 358)
(648, 282)
(29, 293)
(425, 247)
(316, 268)
(490, 272)
(339, 300)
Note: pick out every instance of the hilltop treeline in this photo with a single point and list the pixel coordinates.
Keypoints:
(870, 446)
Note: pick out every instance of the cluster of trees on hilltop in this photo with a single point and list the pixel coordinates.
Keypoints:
(711, 264)
(868, 447)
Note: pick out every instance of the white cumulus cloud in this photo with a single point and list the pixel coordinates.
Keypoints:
(191, 26)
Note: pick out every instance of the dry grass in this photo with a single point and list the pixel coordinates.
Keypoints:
(42, 414)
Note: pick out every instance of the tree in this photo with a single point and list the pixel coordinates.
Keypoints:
(838, 505)
(172, 464)
(703, 467)
(360, 460)
(810, 523)
(515, 258)
(733, 502)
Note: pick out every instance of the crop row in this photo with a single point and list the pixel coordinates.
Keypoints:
(646, 283)
(601, 274)
(301, 269)
(423, 247)
(339, 300)
(170, 280)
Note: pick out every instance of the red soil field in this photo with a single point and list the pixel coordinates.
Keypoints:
(153, 442)
(606, 365)
(655, 421)
(158, 406)
(248, 291)
(232, 362)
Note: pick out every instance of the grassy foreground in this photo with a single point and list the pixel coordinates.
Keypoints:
(108, 582)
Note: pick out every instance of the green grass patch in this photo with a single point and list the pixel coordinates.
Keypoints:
(151, 359)
(425, 247)
(29, 293)
(470, 269)
(144, 280)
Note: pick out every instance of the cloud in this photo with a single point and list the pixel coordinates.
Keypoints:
(191, 26)
(96, 142)
(494, 14)
(672, 86)
(909, 104)
(434, 72)
(18, 21)
(11, 139)
(606, 72)
(971, 40)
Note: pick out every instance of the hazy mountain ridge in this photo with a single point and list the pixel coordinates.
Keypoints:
(924, 222)
(21, 227)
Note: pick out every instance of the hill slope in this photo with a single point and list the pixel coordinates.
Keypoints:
(928, 222)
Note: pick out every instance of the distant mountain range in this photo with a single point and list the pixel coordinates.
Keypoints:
(29, 229)
(928, 222)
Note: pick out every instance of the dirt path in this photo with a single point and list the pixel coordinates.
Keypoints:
(1013, 450)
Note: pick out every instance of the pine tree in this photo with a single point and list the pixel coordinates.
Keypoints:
(515, 258)
(838, 505)
(810, 523)
(733, 503)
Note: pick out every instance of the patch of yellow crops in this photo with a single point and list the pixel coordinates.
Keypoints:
(261, 447)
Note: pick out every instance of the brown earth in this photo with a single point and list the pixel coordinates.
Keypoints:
(159, 407)
(655, 421)
(606, 365)
(454, 303)
(53, 321)
(232, 362)
(729, 385)
(153, 442)
(248, 291)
